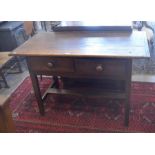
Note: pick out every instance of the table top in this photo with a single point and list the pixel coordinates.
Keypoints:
(86, 44)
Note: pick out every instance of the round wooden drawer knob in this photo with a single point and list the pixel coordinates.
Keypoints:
(50, 64)
(99, 68)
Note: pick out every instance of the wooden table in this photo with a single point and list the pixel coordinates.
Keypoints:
(88, 56)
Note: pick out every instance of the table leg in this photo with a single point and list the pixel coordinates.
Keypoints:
(128, 90)
(37, 92)
(18, 64)
(36, 88)
(56, 82)
(127, 109)
(4, 79)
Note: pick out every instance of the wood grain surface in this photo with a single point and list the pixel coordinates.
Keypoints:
(86, 44)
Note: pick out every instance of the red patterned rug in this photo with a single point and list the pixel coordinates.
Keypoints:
(64, 115)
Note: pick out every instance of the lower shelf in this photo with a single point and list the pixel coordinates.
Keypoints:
(85, 92)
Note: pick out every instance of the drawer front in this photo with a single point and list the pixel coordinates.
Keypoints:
(108, 67)
(50, 64)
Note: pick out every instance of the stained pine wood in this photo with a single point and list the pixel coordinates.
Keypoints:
(86, 44)
(52, 64)
(86, 93)
(95, 55)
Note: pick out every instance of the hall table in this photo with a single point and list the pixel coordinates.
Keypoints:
(100, 63)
